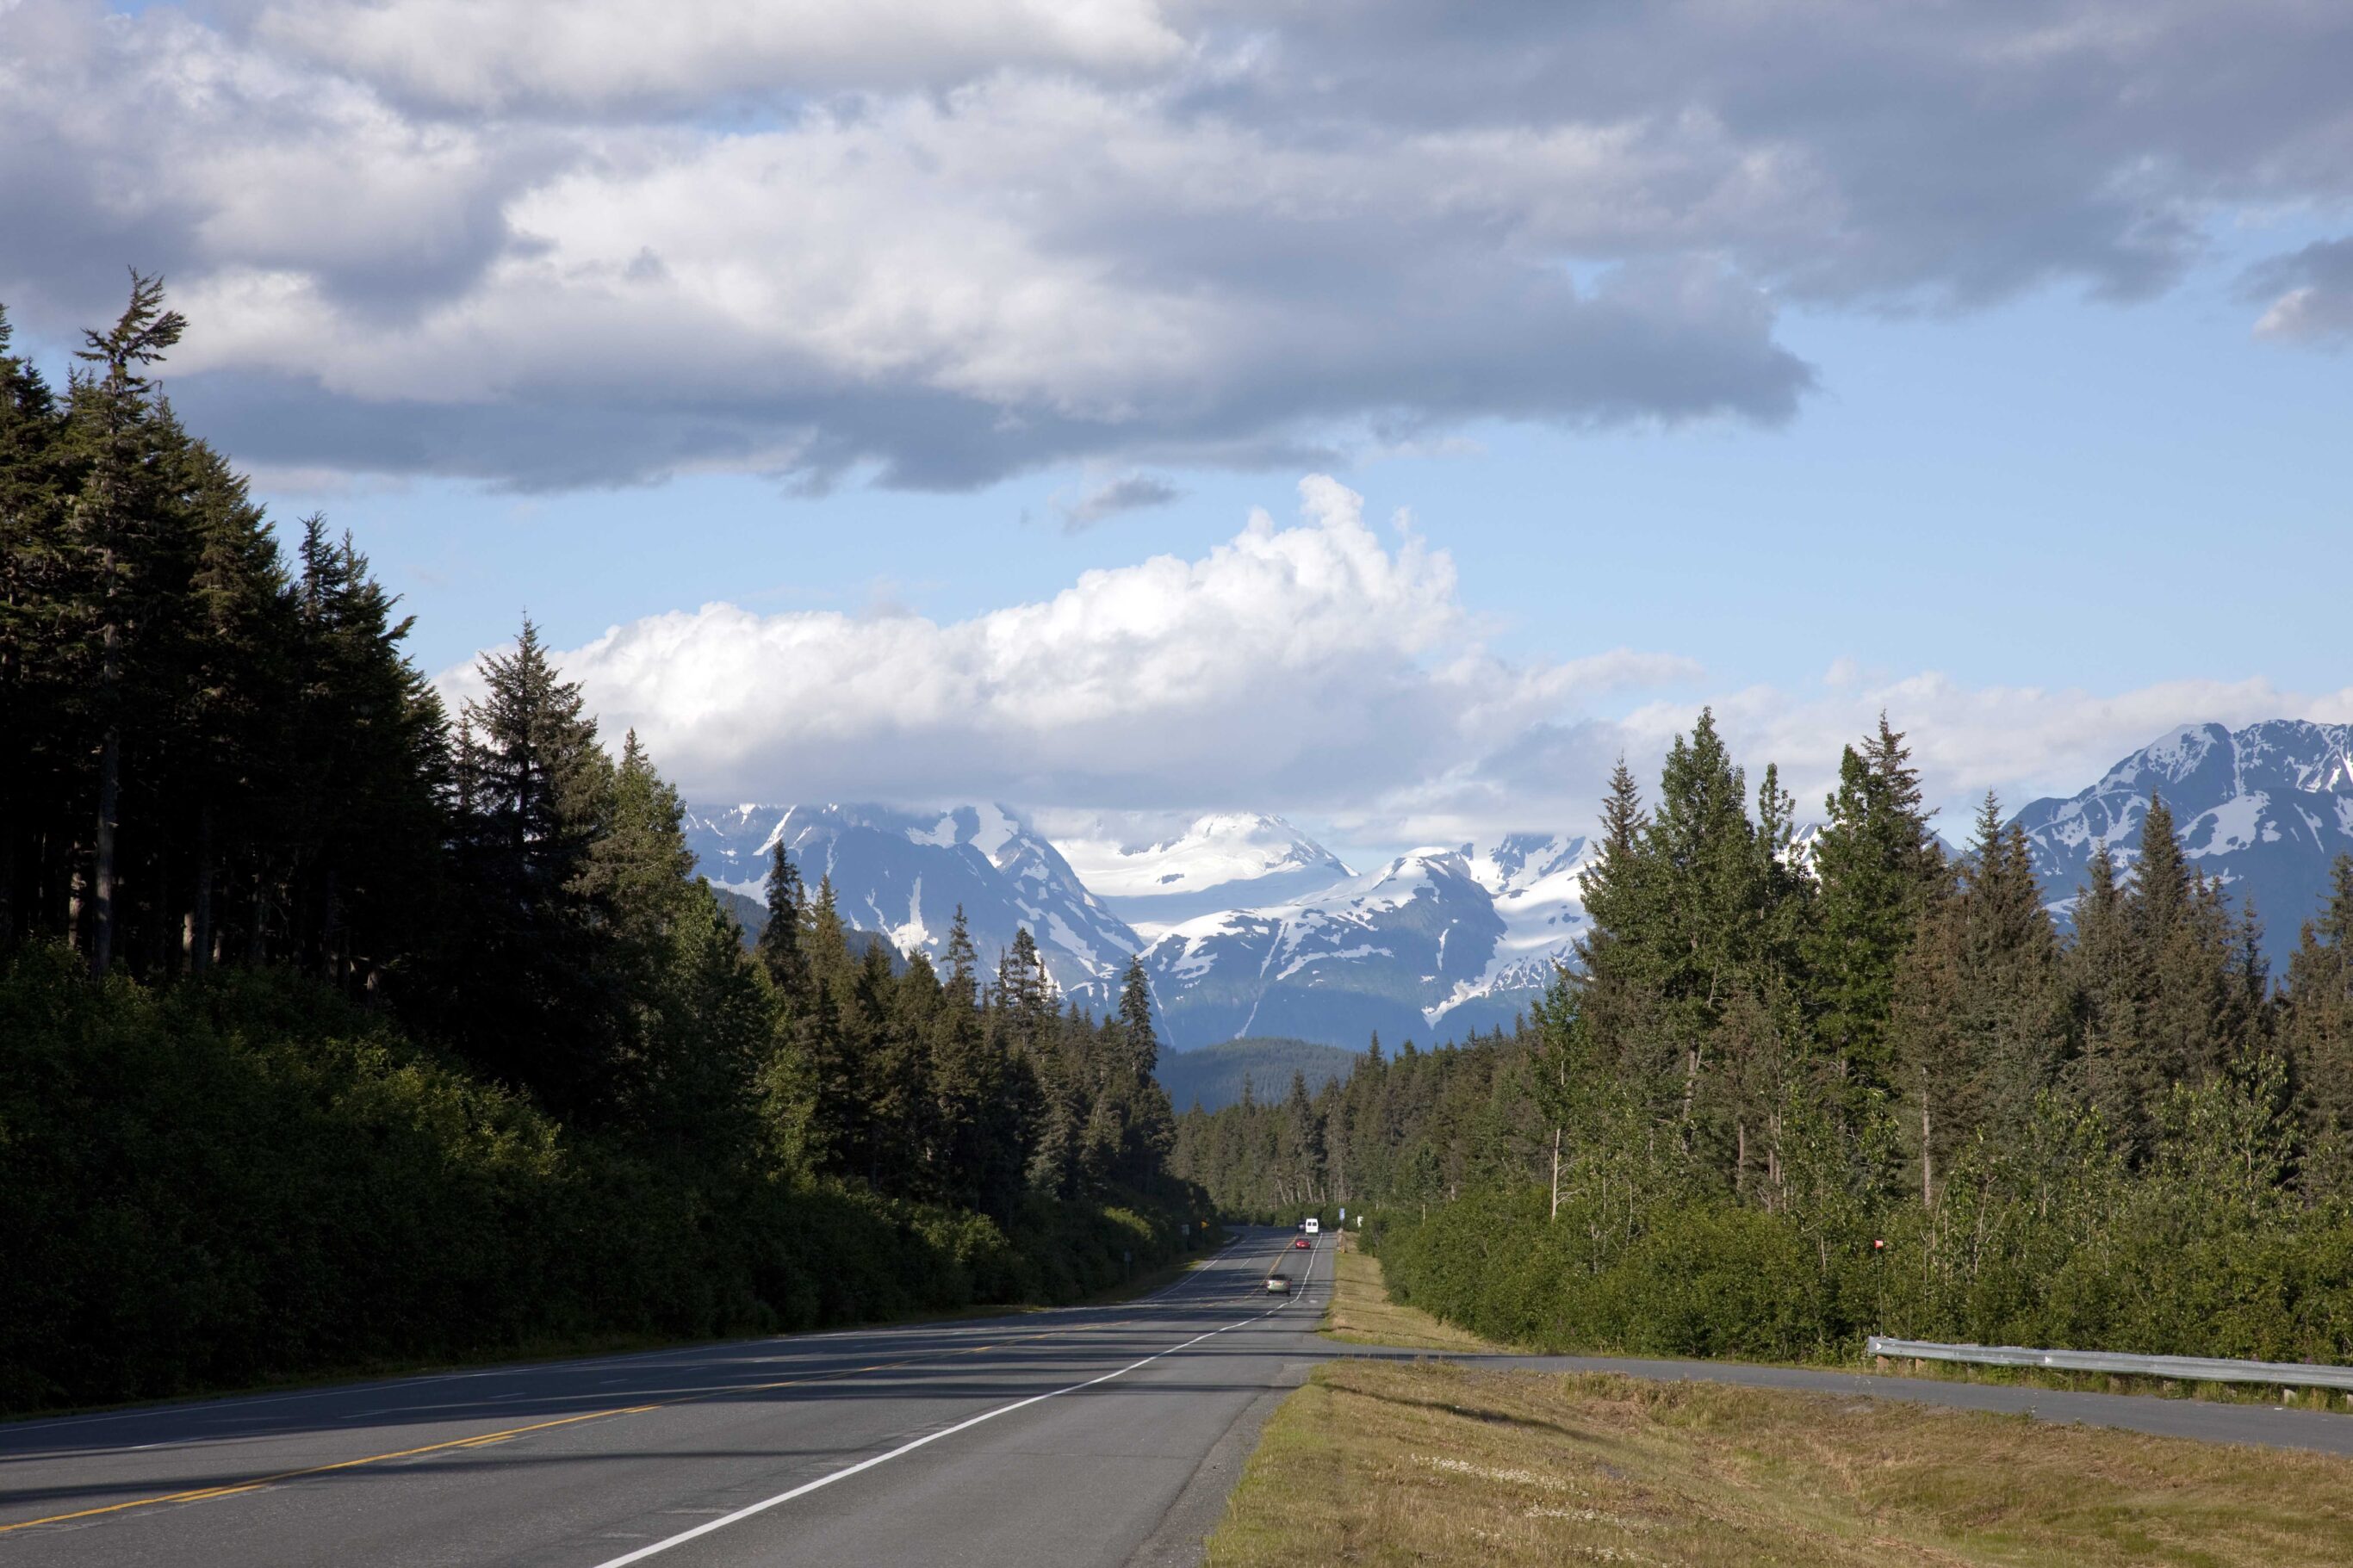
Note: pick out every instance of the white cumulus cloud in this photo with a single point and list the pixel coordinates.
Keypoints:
(1312, 663)
(1322, 669)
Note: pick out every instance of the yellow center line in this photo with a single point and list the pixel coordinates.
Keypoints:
(233, 1488)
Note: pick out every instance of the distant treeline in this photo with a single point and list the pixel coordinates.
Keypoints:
(1411, 1128)
(1218, 1075)
(1786, 1100)
(335, 1029)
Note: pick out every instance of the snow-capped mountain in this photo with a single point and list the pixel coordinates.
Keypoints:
(1227, 862)
(1370, 954)
(1535, 880)
(904, 874)
(1249, 927)
(1432, 945)
(2265, 808)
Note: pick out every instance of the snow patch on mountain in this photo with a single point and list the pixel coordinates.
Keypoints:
(1429, 946)
(1226, 860)
(1537, 880)
(904, 874)
(2265, 809)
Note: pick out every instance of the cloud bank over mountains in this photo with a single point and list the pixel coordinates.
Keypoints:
(557, 245)
(1315, 669)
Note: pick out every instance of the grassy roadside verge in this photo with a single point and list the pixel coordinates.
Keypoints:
(1427, 1462)
(1361, 1313)
(1435, 1463)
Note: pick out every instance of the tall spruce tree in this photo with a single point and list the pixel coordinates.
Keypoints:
(2317, 1031)
(112, 523)
(542, 1014)
(1879, 870)
(2181, 926)
(2114, 1075)
(1980, 1022)
(1139, 1045)
(1699, 926)
(780, 939)
(33, 487)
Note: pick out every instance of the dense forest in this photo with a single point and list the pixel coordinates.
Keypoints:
(336, 1029)
(1796, 1094)
(1405, 1129)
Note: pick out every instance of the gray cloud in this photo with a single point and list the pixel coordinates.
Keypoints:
(1130, 492)
(943, 242)
(2309, 294)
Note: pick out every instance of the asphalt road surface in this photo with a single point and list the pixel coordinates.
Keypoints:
(1091, 1435)
(1087, 1436)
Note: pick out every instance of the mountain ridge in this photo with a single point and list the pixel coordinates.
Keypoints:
(1445, 940)
(2264, 808)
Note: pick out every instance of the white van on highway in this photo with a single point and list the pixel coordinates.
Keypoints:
(1313, 1226)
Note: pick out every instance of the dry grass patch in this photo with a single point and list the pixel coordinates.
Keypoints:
(1429, 1463)
(1361, 1313)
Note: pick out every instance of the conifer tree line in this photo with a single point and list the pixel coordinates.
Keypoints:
(1792, 1094)
(1407, 1128)
(234, 808)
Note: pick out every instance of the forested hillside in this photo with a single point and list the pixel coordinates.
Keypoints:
(1216, 1076)
(1402, 1129)
(335, 1028)
(1791, 1100)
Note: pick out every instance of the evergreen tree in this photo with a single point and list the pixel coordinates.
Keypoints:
(2318, 1032)
(1617, 963)
(825, 939)
(1880, 871)
(780, 937)
(2114, 1075)
(964, 962)
(2181, 931)
(1139, 1045)
(34, 480)
(1979, 1018)
(541, 1014)
(111, 523)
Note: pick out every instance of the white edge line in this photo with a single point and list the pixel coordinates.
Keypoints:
(682, 1537)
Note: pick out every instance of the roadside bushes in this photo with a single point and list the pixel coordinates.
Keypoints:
(248, 1177)
(2207, 1248)
(1703, 1279)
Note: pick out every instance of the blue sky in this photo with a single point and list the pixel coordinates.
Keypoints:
(2055, 491)
(1990, 366)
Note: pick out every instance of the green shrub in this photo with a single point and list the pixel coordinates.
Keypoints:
(249, 1178)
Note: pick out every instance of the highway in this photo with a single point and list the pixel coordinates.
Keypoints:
(1103, 1434)
(1088, 1435)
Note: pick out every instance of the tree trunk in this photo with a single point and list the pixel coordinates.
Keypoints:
(331, 933)
(7, 860)
(253, 934)
(1556, 1174)
(110, 787)
(199, 956)
(157, 931)
(1927, 1165)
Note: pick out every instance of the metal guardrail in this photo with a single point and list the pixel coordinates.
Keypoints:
(2183, 1368)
